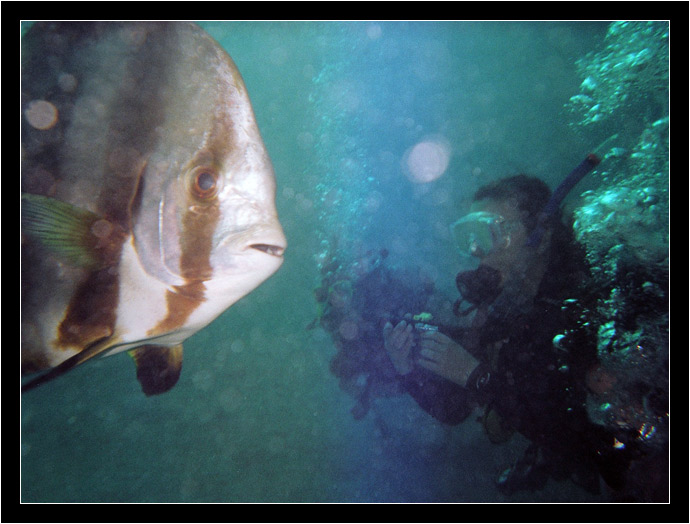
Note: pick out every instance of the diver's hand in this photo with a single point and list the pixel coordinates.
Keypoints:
(445, 357)
(398, 341)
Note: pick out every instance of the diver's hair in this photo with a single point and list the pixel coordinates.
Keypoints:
(566, 257)
(531, 194)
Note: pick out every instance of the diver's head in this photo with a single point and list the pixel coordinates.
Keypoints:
(527, 194)
(501, 216)
(495, 232)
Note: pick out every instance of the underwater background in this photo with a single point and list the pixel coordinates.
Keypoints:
(256, 415)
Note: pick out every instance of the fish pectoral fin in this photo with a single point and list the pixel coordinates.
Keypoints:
(98, 347)
(158, 367)
(76, 235)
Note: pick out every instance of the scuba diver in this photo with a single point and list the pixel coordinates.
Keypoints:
(506, 360)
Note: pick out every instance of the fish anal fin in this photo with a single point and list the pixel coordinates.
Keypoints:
(158, 367)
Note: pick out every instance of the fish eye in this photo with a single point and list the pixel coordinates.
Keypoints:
(204, 182)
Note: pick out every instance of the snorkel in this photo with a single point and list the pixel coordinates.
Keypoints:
(486, 232)
(550, 210)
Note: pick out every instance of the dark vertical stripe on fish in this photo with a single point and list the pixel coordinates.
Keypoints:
(198, 225)
(200, 221)
(136, 114)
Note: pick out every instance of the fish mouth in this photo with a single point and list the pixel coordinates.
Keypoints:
(269, 249)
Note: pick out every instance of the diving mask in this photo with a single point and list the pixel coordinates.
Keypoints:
(481, 233)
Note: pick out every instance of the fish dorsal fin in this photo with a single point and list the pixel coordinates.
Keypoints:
(78, 236)
(88, 353)
(158, 367)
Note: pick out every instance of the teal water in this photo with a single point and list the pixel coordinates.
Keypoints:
(257, 416)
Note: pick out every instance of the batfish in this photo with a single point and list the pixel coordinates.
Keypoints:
(148, 196)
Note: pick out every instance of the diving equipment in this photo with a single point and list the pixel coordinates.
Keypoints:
(591, 161)
(477, 286)
(480, 233)
(551, 208)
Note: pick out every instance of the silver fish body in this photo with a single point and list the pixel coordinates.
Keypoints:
(147, 193)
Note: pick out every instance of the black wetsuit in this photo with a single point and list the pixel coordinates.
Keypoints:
(536, 388)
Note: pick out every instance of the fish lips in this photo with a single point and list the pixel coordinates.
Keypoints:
(260, 251)
(270, 240)
(270, 249)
